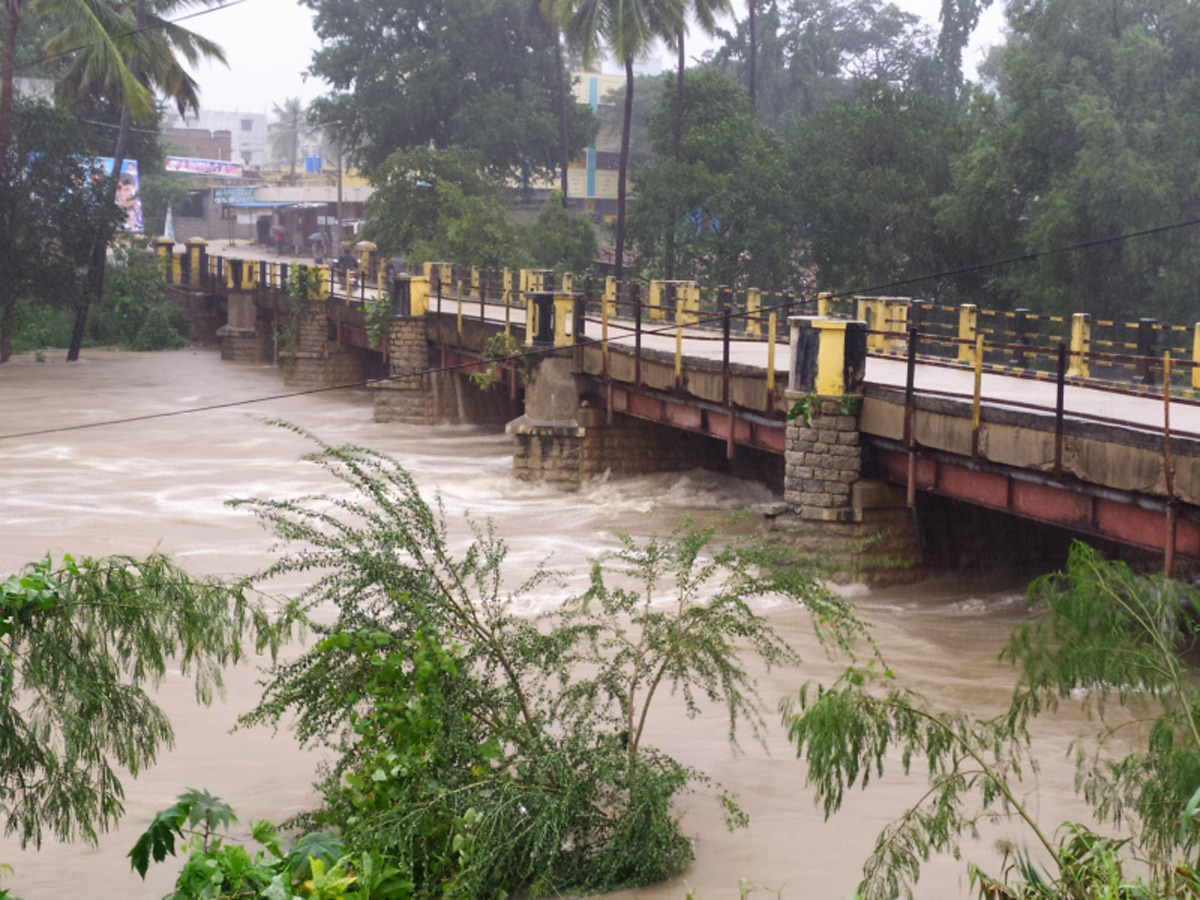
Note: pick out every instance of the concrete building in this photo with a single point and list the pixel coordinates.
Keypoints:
(214, 134)
(592, 176)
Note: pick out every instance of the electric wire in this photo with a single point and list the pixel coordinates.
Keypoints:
(152, 26)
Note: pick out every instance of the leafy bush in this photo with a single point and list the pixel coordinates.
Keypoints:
(493, 754)
(561, 240)
(1105, 634)
(316, 866)
(137, 312)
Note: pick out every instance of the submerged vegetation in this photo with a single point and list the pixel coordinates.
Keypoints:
(476, 752)
(485, 753)
(1104, 634)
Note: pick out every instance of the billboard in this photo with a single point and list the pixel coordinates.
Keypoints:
(127, 192)
(204, 166)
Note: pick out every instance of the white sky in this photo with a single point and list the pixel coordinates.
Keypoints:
(269, 44)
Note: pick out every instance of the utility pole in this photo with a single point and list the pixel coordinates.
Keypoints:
(337, 226)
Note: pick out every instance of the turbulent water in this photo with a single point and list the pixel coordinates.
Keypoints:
(152, 478)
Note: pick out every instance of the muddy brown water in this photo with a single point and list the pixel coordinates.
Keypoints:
(160, 483)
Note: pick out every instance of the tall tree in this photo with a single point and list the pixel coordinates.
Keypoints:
(810, 52)
(1094, 134)
(152, 48)
(287, 131)
(454, 73)
(867, 177)
(705, 13)
(723, 208)
(46, 227)
(626, 28)
(958, 18)
(95, 26)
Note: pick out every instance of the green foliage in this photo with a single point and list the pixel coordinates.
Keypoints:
(805, 409)
(455, 74)
(136, 312)
(823, 51)
(377, 313)
(316, 866)
(559, 239)
(439, 204)
(81, 644)
(502, 349)
(50, 211)
(1106, 634)
(158, 194)
(193, 809)
(494, 753)
(1113, 635)
(866, 176)
(303, 287)
(1093, 135)
(722, 209)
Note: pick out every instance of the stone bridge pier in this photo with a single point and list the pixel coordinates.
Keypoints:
(566, 435)
(830, 508)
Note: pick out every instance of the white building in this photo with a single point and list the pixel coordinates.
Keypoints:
(248, 138)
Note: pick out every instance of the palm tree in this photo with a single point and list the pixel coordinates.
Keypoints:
(288, 130)
(153, 46)
(93, 26)
(705, 12)
(752, 25)
(628, 28)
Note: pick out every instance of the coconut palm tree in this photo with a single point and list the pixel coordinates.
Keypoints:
(627, 29)
(288, 130)
(705, 13)
(93, 26)
(153, 46)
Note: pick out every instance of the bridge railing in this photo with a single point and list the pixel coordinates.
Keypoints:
(1117, 354)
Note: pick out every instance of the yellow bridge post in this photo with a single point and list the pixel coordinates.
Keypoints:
(753, 311)
(166, 257)
(419, 295)
(564, 319)
(197, 249)
(1081, 345)
(828, 356)
(968, 325)
(655, 300)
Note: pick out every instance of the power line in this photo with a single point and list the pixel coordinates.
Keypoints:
(1024, 257)
(153, 26)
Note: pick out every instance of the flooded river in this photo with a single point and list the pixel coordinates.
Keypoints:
(143, 484)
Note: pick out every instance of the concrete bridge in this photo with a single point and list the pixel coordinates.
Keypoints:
(854, 407)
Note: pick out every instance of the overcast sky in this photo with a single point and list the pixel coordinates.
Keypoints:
(269, 44)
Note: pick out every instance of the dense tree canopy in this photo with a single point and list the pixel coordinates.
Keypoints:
(441, 74)
(50, 209)
(1093, 135)
(724, 199)
(867, 176)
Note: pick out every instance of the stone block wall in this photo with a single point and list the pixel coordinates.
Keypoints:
(549, 453)
(566, 454)
(824, 461)
(318, 361)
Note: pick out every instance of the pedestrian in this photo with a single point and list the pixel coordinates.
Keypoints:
(396, 266)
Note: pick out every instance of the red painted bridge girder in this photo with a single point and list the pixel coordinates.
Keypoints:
(1118, 516)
